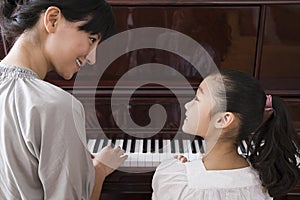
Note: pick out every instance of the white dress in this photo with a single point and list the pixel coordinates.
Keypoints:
(43, 151)
(174, 180)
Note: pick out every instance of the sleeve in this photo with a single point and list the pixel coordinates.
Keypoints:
(169, 181)
(65, 168)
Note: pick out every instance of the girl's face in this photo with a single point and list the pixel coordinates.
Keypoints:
(69, 48)
(198, 112)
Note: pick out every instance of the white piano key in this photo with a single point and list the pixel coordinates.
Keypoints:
(108, 142)
(91, 144)
(120, 143)
(134, 159)
(203, 146)
(100, 145)
(148, 159)
(165, 155)
(127, 162)
(197, 146)
(135, 155)
(139, 151)
(149, 155)
(176, 142)
(156, 146)
(186, 149)
(148, 146)
(128, 146)
(140, 144)
(117, 143)
(155, 157)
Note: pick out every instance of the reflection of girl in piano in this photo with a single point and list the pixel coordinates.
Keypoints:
(43, 151)
(268, 166)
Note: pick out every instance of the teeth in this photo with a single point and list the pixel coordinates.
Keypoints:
(78, 62)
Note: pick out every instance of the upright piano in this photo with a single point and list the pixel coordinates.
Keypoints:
(259, 37)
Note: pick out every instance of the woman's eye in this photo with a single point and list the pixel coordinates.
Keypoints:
(93, 40)
(196, 98)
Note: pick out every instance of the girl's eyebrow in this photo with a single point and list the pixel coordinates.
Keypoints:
(200, 89)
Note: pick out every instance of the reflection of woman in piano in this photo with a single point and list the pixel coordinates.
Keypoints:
(269, 164)
(43, 151)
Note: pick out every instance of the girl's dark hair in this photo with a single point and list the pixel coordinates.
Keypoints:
(273, 146)
(20, 15)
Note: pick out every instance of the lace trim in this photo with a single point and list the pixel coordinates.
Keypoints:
(16, 72)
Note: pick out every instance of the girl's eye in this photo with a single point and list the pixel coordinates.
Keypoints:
(196, 98)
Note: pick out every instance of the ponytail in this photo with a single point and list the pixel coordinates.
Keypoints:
(273, 151)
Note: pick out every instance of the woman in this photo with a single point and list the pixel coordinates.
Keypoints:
(226, 118)
(42, 131)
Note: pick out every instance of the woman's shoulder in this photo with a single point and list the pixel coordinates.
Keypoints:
(49, 95)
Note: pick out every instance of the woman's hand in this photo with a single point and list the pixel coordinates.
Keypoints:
(109, 159)
(182, 158)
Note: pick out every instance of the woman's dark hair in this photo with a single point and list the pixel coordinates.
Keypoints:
(20, 15)
(273, 145)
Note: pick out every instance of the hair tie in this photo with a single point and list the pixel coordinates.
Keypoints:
(268, 105)
(268, 108)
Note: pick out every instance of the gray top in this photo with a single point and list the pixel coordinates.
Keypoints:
(43, 151)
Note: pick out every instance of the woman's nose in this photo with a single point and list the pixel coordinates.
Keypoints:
(91, 57)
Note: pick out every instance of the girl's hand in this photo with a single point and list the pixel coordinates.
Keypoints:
(182, 158)
(109, 159)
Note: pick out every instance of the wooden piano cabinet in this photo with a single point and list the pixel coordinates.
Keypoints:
(128, 186)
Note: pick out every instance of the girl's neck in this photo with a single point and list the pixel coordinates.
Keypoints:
(223, 156)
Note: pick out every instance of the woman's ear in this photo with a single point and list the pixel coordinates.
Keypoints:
(224, 120)
(51, 18)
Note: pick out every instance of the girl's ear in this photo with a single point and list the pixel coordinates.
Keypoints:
(51, 18)
(224, 120)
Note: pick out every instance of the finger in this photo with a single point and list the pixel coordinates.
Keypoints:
(118, 149)
(179, 157)
(124, 157)
(107, 147)
(183, 159)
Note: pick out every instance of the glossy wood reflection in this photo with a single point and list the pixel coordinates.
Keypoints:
(280, 66)
(227, 34)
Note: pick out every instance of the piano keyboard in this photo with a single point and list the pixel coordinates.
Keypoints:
(150, 152)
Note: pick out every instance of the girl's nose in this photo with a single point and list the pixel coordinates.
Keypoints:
(91, 57)
(187, 105)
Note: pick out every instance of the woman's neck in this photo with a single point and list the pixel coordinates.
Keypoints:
(27, 53)
(223, 156)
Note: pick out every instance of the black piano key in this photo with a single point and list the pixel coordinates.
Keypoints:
(132, 148)
(160, 146)
(152, 145)
(124, 144)
(144, 145)
(193, 146)
(181, 149)
(96, 146)
(113, 142)
(172, 146)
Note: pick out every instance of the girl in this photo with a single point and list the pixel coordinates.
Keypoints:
(226, 118)
(43, 151)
